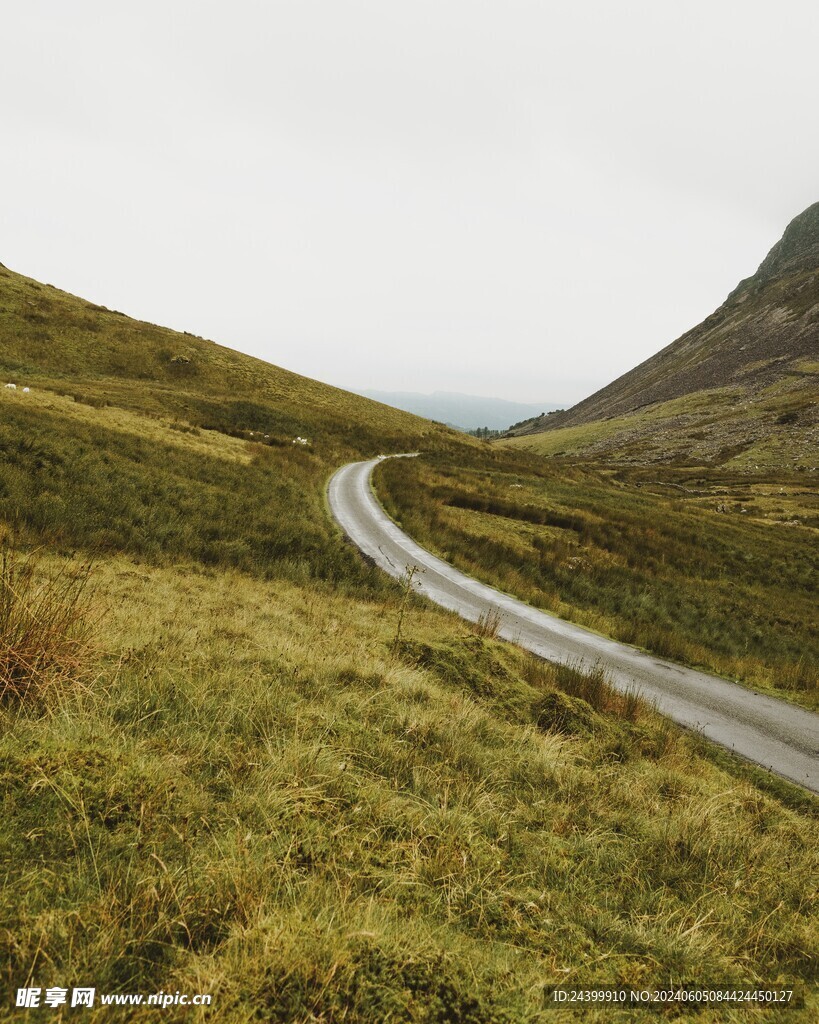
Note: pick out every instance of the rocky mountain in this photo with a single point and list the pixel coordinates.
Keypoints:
(750, 368)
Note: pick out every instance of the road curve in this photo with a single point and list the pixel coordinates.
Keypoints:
(776, 735)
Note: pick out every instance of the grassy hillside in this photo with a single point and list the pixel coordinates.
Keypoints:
(53, 339)
(223, 771)
(773, 429)
(119, 446)
(739, 389)
(705, 568)
(255, 794)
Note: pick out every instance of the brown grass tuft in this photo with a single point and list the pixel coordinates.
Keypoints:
(45, 628)
(488, 624)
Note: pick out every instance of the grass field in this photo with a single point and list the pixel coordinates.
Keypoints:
(53, 341)
(253, 794)
(223, 771)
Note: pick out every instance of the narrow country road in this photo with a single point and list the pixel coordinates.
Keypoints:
(772, 733)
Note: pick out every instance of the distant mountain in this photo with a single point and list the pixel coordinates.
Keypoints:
(744, 380)
(466, 411)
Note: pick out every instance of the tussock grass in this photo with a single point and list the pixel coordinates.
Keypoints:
(45, 626)
(488, 624)
(591, 685)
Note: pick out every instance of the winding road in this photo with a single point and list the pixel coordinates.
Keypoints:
(778, 736)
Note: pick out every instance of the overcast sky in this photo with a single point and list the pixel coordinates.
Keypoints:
(519, 198)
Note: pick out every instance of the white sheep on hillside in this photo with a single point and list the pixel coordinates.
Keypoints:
(13, 387)
(300, 440)
(26, 390)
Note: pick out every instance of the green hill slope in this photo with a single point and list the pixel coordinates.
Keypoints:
(140, 439)
(51, 339)
(740, 388)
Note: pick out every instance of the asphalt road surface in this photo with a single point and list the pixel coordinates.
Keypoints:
(778, 736)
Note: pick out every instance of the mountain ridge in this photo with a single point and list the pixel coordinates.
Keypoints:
(797, 250)
(759, 348)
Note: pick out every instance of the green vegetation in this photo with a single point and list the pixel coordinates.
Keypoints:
(107, 486)
(259, 800)
(695, 564)
(263, 771)
(55, 341)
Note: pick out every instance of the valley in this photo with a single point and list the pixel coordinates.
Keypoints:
(250, 763)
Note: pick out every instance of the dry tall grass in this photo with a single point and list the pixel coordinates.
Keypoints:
(45, 627)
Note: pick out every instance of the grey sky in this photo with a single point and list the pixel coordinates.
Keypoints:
(508, 197)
